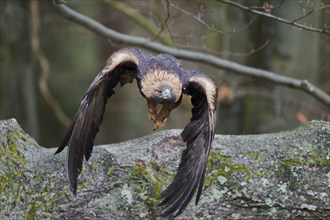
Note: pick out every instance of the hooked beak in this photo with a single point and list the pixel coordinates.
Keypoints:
(166, 95)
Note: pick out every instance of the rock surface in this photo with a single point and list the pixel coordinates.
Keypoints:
(272, 176)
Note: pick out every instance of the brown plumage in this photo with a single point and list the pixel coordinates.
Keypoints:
(161, 80)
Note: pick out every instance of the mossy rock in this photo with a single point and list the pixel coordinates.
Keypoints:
(271, 176)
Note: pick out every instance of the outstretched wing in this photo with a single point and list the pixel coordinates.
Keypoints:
(121, 67)
(198, 134)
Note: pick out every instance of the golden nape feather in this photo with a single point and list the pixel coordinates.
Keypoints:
(161, 80)
(155, 78)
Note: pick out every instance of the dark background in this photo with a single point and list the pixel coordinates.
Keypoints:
(72, 56)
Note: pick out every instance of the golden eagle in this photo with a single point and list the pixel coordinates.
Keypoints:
(161, 80)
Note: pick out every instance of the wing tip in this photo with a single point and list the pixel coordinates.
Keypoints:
(65, 139)
(165, 209)
(73, 189)
(59, 149)
(168, 214)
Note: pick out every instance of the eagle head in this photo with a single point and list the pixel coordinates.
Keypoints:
(163, 94)
(161, 86)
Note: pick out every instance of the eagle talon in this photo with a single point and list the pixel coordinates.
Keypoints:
(152, 116)
(158, 125)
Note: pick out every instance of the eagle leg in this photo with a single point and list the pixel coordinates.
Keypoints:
(163, 114)
(152, 110)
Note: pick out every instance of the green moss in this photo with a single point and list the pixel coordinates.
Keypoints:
(252, 154)
(154, 174)
(139, 186)
(144, 187)
(313, 159)
(292, 162)
(32, 212)
(28, 192)
(221, 166)
(95, 165)
(110, 170)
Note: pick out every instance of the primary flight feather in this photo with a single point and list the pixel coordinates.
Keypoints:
(161, 80)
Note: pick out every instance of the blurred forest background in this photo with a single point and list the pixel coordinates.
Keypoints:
(47, 62)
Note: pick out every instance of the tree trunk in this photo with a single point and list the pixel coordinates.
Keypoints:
(18, 96)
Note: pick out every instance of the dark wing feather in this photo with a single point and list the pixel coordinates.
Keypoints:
(120, 68)
(198, 134)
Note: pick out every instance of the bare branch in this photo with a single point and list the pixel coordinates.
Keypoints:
(210, 28)
(268, 15)
(303, 16)
(197, 18)
(237, 68)
(164, 23)
(142, 21)
(263, 7)
(215, 52)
